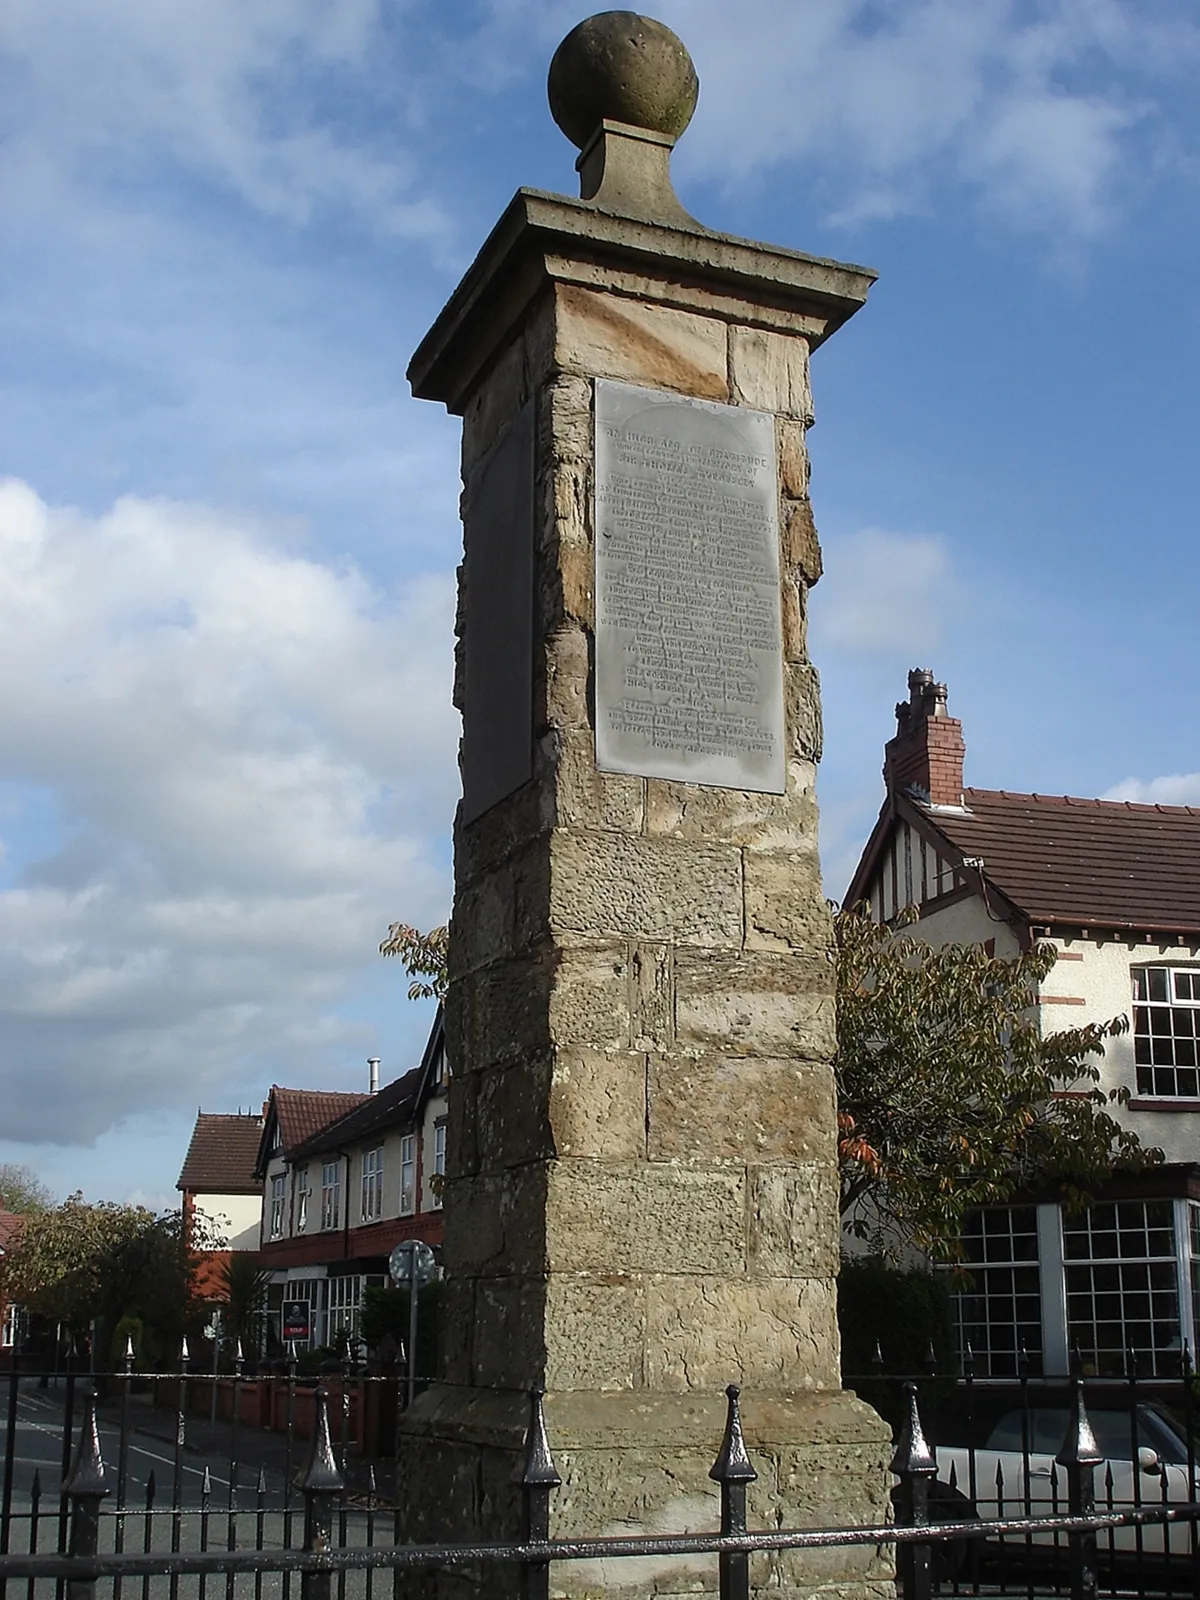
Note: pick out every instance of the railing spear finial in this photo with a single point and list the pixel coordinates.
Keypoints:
(538, 1478)
(321, 1486)
(734, 1471)
(915, 1464)
(85, 1488)
(538, 1470)
(88, 1476)
(733, 1463)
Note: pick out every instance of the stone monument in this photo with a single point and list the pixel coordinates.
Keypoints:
(641, 1202)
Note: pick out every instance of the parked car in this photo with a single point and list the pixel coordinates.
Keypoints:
(996, 1458)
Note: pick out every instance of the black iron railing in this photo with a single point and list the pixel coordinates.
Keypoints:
(102, 1522)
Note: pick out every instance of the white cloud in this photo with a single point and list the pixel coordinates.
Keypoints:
(882, 593)
(226, 767)
(296, 106)
(267, 99)
(1028, 105)
(1180, 789)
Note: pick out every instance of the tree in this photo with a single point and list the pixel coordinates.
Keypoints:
(949, 1096)
(424, 958)
(79, 1263)
(243, 1288)
(21, 1190)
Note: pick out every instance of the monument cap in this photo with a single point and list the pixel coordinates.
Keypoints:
(621, 67)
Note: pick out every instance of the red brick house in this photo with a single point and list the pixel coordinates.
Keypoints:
(342, 1184)
(10, 1315)
(221, 1197)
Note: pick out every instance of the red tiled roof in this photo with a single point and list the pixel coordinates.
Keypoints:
(222, 1155)
(303, 1112)
(1095, 863)
(392, 1107)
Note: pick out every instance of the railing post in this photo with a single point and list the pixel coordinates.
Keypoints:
(10, 1457)
(539, 1476)
(733, 1471)
(322, 1484)
(85, 1488)
(1080, 1457)
(915, 1464)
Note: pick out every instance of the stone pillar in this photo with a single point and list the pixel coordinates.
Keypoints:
(641, 1203)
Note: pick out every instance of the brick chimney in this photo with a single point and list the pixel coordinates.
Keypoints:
(926, 756)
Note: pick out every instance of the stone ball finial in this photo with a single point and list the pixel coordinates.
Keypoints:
(624, 67)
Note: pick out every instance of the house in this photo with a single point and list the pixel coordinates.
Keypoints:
(11, 1316)
(221, 1198)
(1115, 888)
(345, 1178)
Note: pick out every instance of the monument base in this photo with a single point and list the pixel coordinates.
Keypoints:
(637, 1463)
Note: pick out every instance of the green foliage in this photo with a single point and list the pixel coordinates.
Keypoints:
(949, 1096)
(244, 1299)
(906, 1313)
(79, 1263)
(21, 1190)
(385, 1312)
(903, 1311)
(424, 958)
(126, 1329)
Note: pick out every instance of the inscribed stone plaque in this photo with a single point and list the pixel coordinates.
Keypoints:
(689, 650)
(497, 748)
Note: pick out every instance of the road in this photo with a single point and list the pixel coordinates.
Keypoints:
(260, 1512)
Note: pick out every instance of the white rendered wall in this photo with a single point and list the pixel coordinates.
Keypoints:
(967, 921)
(1098, 975)
(1102, 981)
(235, 1218)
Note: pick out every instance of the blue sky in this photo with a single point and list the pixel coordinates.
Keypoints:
(227, 533)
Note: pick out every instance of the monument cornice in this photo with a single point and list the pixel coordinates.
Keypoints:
(545, 238)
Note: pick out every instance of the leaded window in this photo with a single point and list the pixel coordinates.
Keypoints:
(1166, 1031)
(999, 1306)
(1122, 1286)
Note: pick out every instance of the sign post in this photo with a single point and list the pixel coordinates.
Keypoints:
(412, 1262)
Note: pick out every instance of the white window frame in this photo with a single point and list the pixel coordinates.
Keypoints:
(1177, 1035)
(343, 1308)
(439, 1163)
(1098, 1274)
(372, 1184)
(331, 1193)
(10, 1328)
(1003, 1258)
(278, 1195)
(408, 1175)
(303, 1191)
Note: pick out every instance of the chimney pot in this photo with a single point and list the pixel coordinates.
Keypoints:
(925, 757)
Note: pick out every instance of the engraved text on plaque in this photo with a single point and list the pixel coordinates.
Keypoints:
(689, 654)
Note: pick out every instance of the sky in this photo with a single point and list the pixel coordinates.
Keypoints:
(228, 533)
